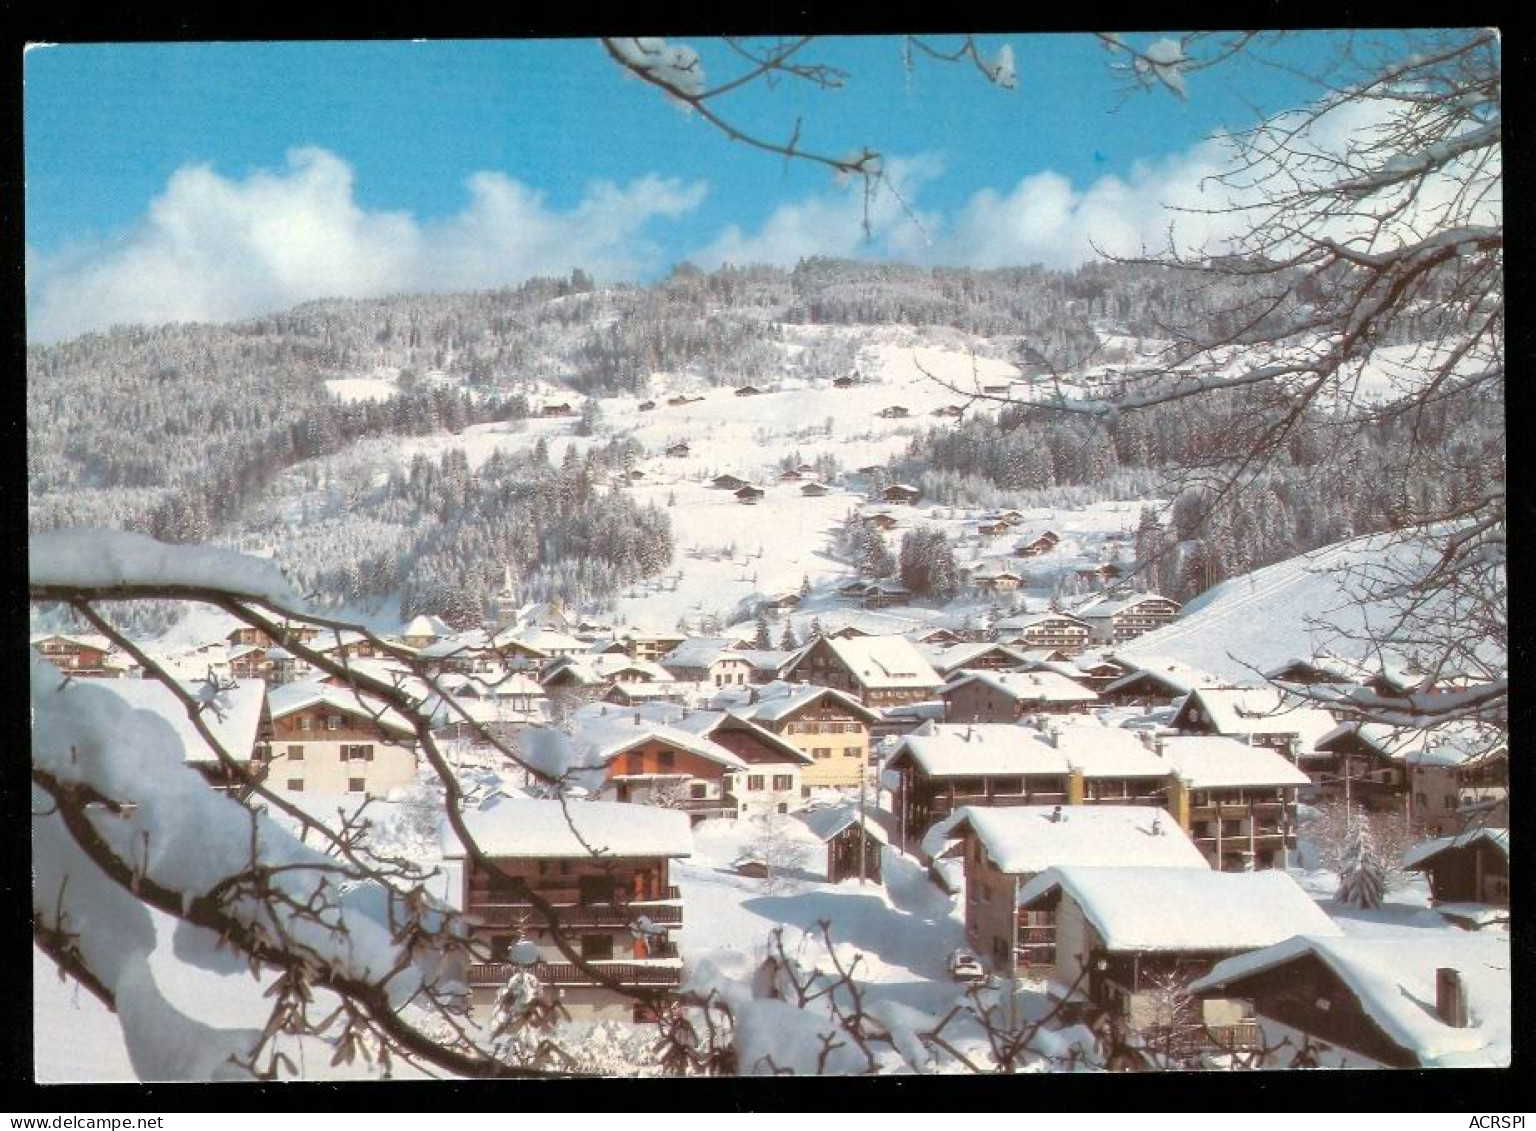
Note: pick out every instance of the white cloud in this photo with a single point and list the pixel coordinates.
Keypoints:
(833, 223)
(213, 248)
(1046, 219)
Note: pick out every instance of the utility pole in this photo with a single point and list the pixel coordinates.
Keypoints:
(863, 831)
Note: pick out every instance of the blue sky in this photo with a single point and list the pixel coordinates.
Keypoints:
(183, 163)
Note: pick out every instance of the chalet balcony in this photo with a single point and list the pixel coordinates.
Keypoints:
(725, 805)
(1194, 1039)
(664, 972)
(1037, 936)
(578, 915)
(1153, 800)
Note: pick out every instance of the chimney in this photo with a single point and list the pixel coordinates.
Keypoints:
(1057, 815)
(637, 718)
(1157, 824)
(1451, 997)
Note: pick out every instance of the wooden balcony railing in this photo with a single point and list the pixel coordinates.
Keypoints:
(593, 915)
(725, 803)
(1240, 1037)
(568, 974)
(1037, 936)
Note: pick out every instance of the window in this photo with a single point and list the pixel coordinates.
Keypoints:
(296, 753)
(850, 752)
(356, 785)
(822, 752)
(306, 723)
(754, 782)
(296, 785)
(635, 764)
(333, 722)
(698, 791)
(783, 781)
(597, 946)
(665, 759)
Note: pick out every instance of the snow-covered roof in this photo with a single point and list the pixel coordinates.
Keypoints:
(774, 701)
(981, 749)
(424, 625)
(883, 661)
(1394, 980)
(1026, 839)
(291, 697)
(1185, 909)
(700, 652)
(233, 715)
(1218, 762)
(82, 639)
(1030, 620)
(1032, 687)
(546, 640)
(508, 827)
(603, 731)
(1261, 710)
(955, 656)
(1444, 745)
(1181, 678)
(1103, 607)
(826, 822)
(1335, 667)
(1099, 751)
(1426, 850)
(698, 721)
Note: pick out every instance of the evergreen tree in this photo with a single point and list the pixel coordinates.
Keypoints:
(787, 642)
(764, 639)
(1361, 883)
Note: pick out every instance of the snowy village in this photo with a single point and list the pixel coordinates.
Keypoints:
(847, 667)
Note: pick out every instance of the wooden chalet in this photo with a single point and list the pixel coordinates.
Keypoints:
(560, 409)
(1121, 935)
(749, 495)
(1005, 848)
(1040, 544)
(332, 740)
(854, 841)
(748, 391)
(1237, 801)
(845, 382)
(647, 406)
(598, 901)
(1006, 697)
(77, 654)
(830, 727)
(678, 451)
(814, 490)
(880, 521)
(1471, 867)
(901, 493)
(895, 412)
(880, 671)
(1115, 620)
(728, 483)
(1045, 630)
(1415, 1001)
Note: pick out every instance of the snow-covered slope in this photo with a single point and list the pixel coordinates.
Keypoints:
(1329, 600)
